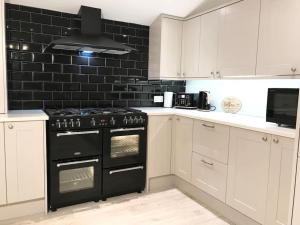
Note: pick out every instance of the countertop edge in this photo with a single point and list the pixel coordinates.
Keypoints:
(23, 116)
(273, 131)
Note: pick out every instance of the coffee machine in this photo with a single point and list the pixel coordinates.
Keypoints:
(204, 101)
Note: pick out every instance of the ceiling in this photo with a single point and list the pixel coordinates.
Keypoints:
(133, 11)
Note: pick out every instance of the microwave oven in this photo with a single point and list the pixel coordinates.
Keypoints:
(282, 105)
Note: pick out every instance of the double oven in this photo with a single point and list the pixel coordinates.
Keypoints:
(92, 161)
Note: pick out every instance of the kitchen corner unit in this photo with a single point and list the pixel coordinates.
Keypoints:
(22, 163)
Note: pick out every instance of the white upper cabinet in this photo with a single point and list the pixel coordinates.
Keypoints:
(279, 45)
(183, 144)
(165, 48)
(3, 102)
(209, 37)
(24, 145)
(2, 167)
(280, 193)
(248, 172)
(190, 48)
(238, 35)
(159, 145)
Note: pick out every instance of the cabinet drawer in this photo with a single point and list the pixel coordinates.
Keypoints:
(209, 175)
(211, 140)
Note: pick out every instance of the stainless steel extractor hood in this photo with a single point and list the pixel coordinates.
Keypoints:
(90, 39)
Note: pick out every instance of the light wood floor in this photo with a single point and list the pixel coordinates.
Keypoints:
(164, 208)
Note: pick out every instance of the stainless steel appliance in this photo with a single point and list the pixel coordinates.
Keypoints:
(94, 154)
(282, 105)
(185, 101)
(204, 101)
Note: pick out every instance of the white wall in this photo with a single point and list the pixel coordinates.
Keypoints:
(252, 93)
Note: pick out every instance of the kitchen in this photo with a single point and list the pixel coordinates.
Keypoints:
(157, 114)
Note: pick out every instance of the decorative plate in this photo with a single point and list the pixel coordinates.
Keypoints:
(231, 105)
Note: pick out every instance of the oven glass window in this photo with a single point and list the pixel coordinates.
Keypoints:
(122, 146)
(76, 179)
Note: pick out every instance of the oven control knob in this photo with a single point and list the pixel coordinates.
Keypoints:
(130, 120)
(142, 120)
(65, 124)
(136, 120)
(71, 123)
(125, 121)
(58, 124)
(78, 124)
(112, 121)
(93, 122)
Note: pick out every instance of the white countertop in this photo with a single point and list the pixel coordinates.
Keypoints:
(23, 115)
(234, 120)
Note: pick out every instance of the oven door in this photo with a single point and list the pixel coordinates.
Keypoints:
(70, 144)
(124, 146)
(74, 182)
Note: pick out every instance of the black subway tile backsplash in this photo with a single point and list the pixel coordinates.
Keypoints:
(39, 80)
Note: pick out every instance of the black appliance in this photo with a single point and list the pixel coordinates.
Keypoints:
(90, 39)
(94, 154)
(204, 101)
(185, 101)
(282, 105)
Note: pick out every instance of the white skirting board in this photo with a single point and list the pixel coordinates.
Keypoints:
(22, 209)
(168, 182)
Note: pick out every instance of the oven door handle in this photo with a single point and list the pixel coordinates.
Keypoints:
(126, 129)
(77, 162)
(127, 169)
(71, 133)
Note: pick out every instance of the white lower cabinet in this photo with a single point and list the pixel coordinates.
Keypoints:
(24, 148)
(2, 167)
(209, 175)
(183, 146)
(248, 172)
(280, 191)
(159, 145)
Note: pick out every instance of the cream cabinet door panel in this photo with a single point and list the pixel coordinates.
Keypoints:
(183, 148)
(296, 209)
(159, 145)
(280, 181)
(279, 46)
(248, 172)
(2, 167)
(211, 140)
(24, 144)
(190, 47)
(239, 27)
(209, 175)
(209, 44)
(3, 107)
(171, 38)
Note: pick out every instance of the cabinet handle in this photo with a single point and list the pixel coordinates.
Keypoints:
(207, 163)
(170, 118)
(212, 74)
(276, 140)
(208, 126)
(183, 74)
(265, 139)
(178, 74)
(10, 126)
(178, 119)
(294, 69)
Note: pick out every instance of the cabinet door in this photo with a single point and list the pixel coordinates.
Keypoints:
(296, 209)
(171, 37)
(211, 140)
(248, 172)
(209, 44)
(209, 175)
(279, 46)
(24, 144)
(159, 145)
(183, 147)
(2, 167)
(190, 48)
(2, 60)
(280, 191)
(239, 27)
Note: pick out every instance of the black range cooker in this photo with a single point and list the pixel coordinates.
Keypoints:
(94, 154)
